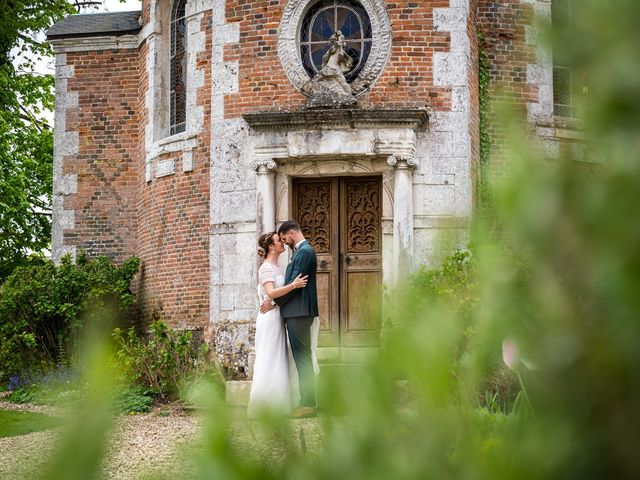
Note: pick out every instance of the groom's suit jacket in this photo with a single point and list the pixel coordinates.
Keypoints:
(301, 302)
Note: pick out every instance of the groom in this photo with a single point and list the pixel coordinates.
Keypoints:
(298, 309)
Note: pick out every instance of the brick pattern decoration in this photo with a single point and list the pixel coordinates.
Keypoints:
(104, 203)
(407, 81)
(173, 225)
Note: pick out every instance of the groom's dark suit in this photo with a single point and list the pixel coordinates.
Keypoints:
(298, 308)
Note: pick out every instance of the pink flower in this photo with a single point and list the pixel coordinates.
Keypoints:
(510, 353)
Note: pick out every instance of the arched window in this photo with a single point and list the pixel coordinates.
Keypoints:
(178, 69)
(325, 18)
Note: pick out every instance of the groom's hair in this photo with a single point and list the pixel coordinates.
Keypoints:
(287, 226)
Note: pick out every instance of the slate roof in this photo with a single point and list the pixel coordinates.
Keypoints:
(96, 24)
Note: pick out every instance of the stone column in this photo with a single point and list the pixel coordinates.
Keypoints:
(402, 215)
(265, 196)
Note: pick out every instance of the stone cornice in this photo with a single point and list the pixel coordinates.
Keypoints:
(87, 44)
(340, 118)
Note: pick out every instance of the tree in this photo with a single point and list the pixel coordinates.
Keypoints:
(26, 137)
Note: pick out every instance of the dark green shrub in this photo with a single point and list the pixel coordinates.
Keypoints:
(135, 399)
(26, 394)
(45, 308)
(163, 361)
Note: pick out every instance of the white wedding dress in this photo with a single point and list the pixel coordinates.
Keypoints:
(271, 388)
(275, 378)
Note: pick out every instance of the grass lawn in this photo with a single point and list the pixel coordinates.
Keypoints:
(13, 423)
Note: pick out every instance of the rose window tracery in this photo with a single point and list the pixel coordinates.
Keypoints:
(322, 21)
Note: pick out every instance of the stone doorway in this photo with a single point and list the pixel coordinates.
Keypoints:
(341, 218)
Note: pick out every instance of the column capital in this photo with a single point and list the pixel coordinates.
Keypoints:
(263, 166)
(402, 163)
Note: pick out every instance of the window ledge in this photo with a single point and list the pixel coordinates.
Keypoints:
(562, 128)
(568, 123)
(180, 142)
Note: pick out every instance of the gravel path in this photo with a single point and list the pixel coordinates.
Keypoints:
(160, 441)
(140, 444)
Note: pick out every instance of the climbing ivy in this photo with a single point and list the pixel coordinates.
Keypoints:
(485, 137)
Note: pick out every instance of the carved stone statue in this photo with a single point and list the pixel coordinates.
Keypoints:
(329, 88)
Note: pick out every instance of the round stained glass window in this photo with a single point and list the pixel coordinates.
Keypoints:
(325, 18)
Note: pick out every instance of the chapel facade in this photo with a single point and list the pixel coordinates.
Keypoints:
(186, 130)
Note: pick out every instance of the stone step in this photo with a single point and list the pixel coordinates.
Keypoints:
(237, 391)
(347, 356)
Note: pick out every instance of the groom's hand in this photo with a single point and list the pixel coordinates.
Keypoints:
(265, 306)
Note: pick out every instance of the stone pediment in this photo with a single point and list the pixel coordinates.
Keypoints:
(333, 133)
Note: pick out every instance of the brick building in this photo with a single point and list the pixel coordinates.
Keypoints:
(185, 130)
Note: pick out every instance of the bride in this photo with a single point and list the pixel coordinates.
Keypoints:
(271, 386)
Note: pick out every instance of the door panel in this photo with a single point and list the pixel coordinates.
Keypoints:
(363, 305)
(341, 219)
(362, 261)
(314, 207)
(324, 300)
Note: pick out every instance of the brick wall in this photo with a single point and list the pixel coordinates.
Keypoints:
(406, 82)
(173, 226)
(502, 25)
(104, 205)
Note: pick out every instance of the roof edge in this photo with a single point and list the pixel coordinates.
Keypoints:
(86, 25)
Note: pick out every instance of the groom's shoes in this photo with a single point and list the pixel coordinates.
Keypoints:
(303, 412)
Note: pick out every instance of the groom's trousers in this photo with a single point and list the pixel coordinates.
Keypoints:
(299, 329)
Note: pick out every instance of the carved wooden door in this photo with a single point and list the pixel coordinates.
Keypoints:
(341, 219)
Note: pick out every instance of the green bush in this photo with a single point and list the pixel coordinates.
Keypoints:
(45, 309)
(162, 361)
(27, 394)
(135, 399)
(454, 287)
(452, 283)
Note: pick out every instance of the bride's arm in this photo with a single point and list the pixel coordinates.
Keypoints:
(298, 282)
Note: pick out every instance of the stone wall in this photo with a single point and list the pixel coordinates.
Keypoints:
(432, 65)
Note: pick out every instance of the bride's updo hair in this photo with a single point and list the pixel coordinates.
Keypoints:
(264, 242)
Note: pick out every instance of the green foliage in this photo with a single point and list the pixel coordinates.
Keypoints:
(26, 140)
(59, 386)
(162, 361)
(484, 79)
(454, 287)
(28, 394)
(14, 423)
(453, 281)
(135, 399)
(45, 308)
